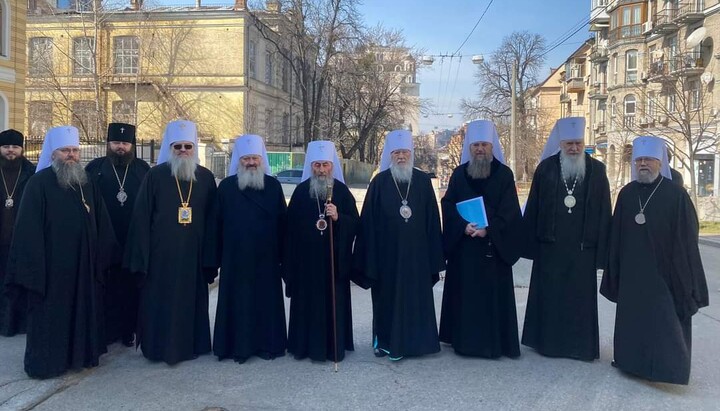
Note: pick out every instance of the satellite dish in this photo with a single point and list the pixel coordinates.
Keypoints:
(707, 78)
(696, 37)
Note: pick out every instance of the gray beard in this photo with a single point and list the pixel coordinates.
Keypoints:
(183, 168)
(646, 177)
(69, 174)
(319, 187)
(479, 168)
(402, 173)
(572, 166)
(254, 179)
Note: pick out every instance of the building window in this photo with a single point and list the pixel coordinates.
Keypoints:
(670, 104)
(251, 125)
(123, 111)
(83, 56)
(298, 128)
(612, 113)
(268, 68)
(270, 124)
(631, 67)
(614, 69)
(695, 96)
(126, 54)
(285, 78)
(40, 54)
(252, 57)
(286, 128)
(630, 105)
(85, 118)
(40, 115)
(4, 28)
(650, 112)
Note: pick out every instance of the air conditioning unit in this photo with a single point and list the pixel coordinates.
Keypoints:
(714, 112)
(643, 122)
(644, 77)
(663, 120)
(647, 26)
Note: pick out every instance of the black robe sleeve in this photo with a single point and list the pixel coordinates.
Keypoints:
(453, 224)
(137, 250)
(434, 233)
(689, 283)
(344, 231)
(26, 265)
(210, 263)
(604, 220)
(108, 249)
(365, 268)
(530, 244)
(504, 222)
(609, 286)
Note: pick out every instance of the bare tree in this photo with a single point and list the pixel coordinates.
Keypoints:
(309, 35)
(494, 78)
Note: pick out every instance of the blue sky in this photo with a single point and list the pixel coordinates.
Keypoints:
(439, 27)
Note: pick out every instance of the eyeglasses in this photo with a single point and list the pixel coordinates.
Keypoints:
(181, 146)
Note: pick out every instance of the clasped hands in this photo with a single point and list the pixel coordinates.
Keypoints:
(472, 230)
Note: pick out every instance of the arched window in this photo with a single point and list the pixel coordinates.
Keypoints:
(630, 105)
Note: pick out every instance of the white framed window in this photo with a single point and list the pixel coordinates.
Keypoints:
(126, 52)
(123, 111)
(252, 59)
(631, 66)
(40, 116)
(695, 96)
(40, 56)
(269, 68)
(83, 55)
(670, 102)
(85, 118)
(650, 111)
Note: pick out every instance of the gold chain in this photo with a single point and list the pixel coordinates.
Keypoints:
(183, 201)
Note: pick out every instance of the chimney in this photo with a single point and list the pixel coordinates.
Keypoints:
(272, 6)
(240, 5)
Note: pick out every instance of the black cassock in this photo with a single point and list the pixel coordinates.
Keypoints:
(401, 260)
(173, 321)
(656, 277)
(307, 274)
(58, 257)
(567, 249)
(250, 316)
(478, 315)
(121, 292)
(13, 312)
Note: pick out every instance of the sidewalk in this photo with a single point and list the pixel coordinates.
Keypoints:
(710, 240)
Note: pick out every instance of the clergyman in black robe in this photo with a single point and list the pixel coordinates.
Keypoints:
(118, 175)
(307, 269)
(567, 244)
(62, 245)
(400, 256)
(654, 271)
(478, 315)
(16, 171)
(251, 219)
(168, 244)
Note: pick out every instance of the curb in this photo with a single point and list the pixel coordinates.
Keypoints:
(711, 243)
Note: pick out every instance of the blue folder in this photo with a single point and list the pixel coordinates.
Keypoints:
(473, 211)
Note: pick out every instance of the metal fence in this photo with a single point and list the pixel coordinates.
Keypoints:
(146, 150)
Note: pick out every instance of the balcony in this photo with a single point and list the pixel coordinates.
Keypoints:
(564, 98)
(660, 71)
(598, 54)
(631, 32)
(664, 21)
(690, 12)
(598, 92)
(599, 17)
(575, 85)
(688, 64)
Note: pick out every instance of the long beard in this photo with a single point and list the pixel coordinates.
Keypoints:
(120, 160)
(402, 173)
(183, 168)
(319, 187)
(646, 177)
(69, 174)
(254, 179)
(479, 167)
(572, 166)
(11, 164)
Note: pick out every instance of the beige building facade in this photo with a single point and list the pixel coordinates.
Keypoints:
(654, 69)
(12, 64)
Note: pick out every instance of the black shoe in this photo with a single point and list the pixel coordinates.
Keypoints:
(379, 353)
(614, 364)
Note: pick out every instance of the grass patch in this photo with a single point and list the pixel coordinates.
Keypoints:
(709, 227)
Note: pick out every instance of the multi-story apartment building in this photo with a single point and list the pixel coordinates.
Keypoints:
(653, 71)
(208, 64)
(575, 93)
(12, 64)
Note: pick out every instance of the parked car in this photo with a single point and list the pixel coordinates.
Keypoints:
(291, 176)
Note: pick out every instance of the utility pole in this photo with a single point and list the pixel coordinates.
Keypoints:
(513, 120)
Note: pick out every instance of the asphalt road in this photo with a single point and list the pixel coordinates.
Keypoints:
(126, 381)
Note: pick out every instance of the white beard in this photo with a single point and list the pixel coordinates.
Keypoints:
(183, 167)
(69, 174)
(402, 173)
(254, 179)
(646, 177)
(572, 167)
(479, 167)
(319, 186)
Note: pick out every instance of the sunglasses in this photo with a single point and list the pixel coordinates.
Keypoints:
(181, 146)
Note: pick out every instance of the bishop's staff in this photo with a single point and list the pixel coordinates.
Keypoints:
(332, 277)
